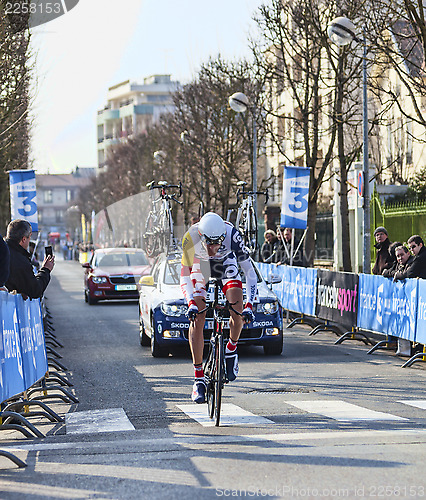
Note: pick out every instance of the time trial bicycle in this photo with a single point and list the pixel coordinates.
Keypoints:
(214, 366)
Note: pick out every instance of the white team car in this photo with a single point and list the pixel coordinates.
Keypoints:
(164, 326)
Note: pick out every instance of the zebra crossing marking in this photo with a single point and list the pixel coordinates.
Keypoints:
(342, 411)
(93, 421)
(417, 403)
(230, 414)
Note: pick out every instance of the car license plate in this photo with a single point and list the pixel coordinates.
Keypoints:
(208, 325)
(122, 288)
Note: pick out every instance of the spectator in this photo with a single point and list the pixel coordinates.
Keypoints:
(269, 247)
(418, 267)
(21, 277)
(404, 262)
(383, 257)
(390, 272)
(414, 267)
(194, 220)
(284, 248)
(4, 263)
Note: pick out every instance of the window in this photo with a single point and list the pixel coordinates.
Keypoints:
(48, 196)
(69, 195)
(59, 215)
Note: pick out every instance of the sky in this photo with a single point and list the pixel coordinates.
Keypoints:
(100, 43)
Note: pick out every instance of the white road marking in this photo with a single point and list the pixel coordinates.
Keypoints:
(418, 403)
(88, 422)
(341, 410)
(402, 436)
(229, 415)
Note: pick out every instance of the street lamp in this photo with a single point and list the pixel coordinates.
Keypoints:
(239, 103)
(342, 31)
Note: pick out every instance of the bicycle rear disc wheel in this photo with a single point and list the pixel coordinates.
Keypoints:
(219, 367)
(252, 236)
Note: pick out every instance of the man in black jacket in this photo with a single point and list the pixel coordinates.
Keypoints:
(22, 277)
(404, 262)
(418, 267)
(383, 257)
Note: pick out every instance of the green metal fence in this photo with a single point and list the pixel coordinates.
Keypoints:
(401, 220)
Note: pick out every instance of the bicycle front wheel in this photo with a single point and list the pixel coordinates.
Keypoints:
(210, 374)
(219, 368)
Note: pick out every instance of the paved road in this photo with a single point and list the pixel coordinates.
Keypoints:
(320, 421)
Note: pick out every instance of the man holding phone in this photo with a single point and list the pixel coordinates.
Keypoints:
(21, 276)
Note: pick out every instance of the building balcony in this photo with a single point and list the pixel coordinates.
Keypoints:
(136, 109)
(107, 114)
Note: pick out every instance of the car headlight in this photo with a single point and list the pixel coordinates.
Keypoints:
(99, 279)
(267, 307)
(173, 309)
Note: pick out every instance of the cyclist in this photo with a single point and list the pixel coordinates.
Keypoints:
(213, 248)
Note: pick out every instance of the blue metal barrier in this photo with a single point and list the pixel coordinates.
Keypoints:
(22, 345)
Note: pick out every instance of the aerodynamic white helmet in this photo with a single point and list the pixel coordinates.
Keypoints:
(212, 229)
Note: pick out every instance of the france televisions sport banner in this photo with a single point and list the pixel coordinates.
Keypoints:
(421, 312)
(294, 209)
(12, 372)
(298, 289)
(388, 307)
(337, 297)
(23, 196)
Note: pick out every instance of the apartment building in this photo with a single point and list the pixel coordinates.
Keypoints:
(130, 109)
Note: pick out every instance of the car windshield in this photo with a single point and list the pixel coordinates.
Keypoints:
(121, 259)
(172, 273)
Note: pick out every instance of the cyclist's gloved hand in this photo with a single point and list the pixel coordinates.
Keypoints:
(192, 310)
(247, 313)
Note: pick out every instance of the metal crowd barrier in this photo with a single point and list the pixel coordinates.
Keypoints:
(361, 304)
(28, 356)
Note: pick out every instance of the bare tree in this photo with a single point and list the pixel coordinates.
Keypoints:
(218, 143)
(291, 56)
(313, 111)
(14, 102)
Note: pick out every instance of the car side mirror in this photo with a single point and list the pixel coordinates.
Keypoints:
(147, 281)
(86, 265)
(274, 278)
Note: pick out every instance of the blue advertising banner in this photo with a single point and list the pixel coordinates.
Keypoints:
(11, 361)
(294, 209)
(23, 196)
(421, 312)
(32, 340)
(39, 342)
(299, 287)
(388, 307)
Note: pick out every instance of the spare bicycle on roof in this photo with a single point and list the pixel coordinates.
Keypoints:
(159, 230)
